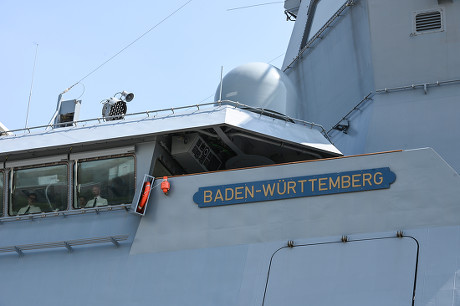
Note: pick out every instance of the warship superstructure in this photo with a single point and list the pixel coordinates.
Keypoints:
(332, 180)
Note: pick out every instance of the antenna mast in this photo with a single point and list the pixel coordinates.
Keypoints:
(31, 85)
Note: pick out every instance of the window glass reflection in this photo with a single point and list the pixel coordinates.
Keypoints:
(41, 189)
(105, 182)
(1, 193)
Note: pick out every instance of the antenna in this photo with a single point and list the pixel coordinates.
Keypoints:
(128, 97)
(31, 84)
(249, 6)
(124, 48)
(221, 79)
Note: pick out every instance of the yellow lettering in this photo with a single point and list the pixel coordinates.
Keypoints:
(345, 182)
(227, 197)
(269, 189)
(355, 180)
(312, 184)
(367, 178)
(378, 178)
(218, 196)
(335, 184)
(239, 193)
(291, 186)
(207, 196)
(301, 184)
(322, 184)
(278, 187)
(249, 191)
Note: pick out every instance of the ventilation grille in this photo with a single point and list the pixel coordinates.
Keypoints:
(428, 21)
(194, 154)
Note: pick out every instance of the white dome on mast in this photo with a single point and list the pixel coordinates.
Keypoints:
(258, 85)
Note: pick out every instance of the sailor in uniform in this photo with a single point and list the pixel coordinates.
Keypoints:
(30, 208)
(97, 200)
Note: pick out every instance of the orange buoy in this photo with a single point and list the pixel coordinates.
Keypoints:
(165, 185)
(144, 197)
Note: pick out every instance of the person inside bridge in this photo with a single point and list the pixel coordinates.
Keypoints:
(97, 200)
(81, 202)
(31, 207)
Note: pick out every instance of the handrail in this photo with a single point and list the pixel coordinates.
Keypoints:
(369, 97)
(66, 213)
(425, 86)
(68, 244)
(348, 115)
(168, 111)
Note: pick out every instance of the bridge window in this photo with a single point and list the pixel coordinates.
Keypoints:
(103, 182)
(1, 193)
(39, 189)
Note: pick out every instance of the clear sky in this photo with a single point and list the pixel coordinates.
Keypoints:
(177, 63)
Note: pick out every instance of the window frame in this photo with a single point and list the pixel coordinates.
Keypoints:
(4, 192)
(71, 161)
(11, 186)
(74, 186)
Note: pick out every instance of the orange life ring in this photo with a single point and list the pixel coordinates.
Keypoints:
(144, 197)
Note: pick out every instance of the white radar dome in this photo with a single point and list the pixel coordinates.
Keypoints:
(259, 85)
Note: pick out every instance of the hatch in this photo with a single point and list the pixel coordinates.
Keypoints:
(363, 272)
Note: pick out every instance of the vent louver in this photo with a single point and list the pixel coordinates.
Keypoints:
(194, 154)
(428, 21)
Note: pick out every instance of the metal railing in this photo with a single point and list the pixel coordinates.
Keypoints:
(154, 114)
(66, 213)
(369, 97)
(425, 86)
(354, 109)
(68, 244)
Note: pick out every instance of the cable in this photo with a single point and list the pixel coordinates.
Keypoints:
(249, 6)
(129, 45)
(276, 58)
(206, 99)
(84, 89)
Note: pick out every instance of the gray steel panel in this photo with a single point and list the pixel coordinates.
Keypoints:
(424, 194)
(297, 34)
(400, 58)
(364, 272)
(105, 131)
(337, 72)
(37, 161)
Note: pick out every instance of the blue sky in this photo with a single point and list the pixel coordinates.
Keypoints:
(177, 63)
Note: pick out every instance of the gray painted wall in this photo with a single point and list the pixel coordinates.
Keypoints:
(372, 48)
(400, 58)
(338, 72)
(407, 119)
(173, 261)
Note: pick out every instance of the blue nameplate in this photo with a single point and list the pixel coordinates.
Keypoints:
(295, 187)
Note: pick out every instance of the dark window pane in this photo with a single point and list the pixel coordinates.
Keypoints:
(1, 193)
(41, 189)
(105, 182)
